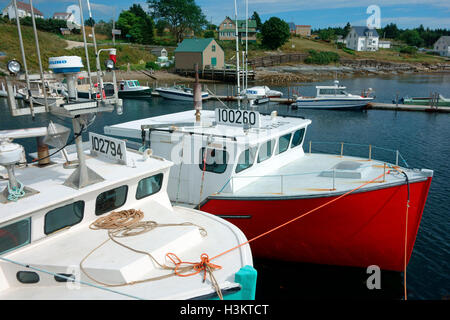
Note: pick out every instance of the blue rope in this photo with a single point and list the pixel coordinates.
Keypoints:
(15, 193)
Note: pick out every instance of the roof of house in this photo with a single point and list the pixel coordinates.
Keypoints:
(362, 31)
(446, 39)
(303, 25)
(193, 45)
(26, 7)
(62, 14)
(242, 24)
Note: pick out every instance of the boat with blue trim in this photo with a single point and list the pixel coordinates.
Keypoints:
(334, 97)
(178, 92)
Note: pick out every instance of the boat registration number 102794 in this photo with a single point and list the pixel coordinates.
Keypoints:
(238, 117)
(114, 149)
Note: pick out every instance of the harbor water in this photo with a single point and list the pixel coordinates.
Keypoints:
(422, 138)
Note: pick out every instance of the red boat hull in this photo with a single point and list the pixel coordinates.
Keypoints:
(361, 229)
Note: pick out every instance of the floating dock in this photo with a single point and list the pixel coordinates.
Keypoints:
(406, 107)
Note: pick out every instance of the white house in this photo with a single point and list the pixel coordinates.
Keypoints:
(362, 39)
(442, 46)
(23, 10)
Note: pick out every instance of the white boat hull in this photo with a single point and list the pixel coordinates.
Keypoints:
(183, 96)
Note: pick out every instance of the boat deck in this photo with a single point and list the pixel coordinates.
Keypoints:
(316, 175)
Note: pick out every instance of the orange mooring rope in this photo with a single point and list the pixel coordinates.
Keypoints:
(205, 260)
(299, 217)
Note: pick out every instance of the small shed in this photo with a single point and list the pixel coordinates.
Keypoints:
(207, 53)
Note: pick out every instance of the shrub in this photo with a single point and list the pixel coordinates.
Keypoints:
(408, 50)
(348, 50)
(152, 65)
(322, 57)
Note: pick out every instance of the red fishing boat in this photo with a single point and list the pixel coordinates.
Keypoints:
(293, 205)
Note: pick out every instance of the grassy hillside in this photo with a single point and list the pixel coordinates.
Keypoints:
(303, 45)
(52, 45)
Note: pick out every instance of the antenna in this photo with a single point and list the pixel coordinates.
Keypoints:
(237, 55)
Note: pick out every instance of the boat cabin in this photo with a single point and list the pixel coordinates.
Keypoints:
(207, 155)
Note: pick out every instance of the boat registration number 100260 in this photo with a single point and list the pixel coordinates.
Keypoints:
(114, 149)
(238, 117)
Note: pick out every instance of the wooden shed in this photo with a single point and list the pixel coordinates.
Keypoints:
(205, 52)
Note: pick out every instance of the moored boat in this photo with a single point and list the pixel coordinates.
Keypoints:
(257, 176)
(177, 92)
(438, 101)
(334, 97)
(133, 89)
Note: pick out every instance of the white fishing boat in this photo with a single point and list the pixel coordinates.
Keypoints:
(334, 97)
(177, 92)
(261, 91)
(253, 171)
(133, 89)
(95, 221)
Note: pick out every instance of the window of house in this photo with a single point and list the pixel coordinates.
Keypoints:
(213, 48)
(62, 217)
(148, 186)
(283, 143)
(15, 235)
(266, 150)
(297, 139)
(246, 159)
(110, 200)
(215, 160)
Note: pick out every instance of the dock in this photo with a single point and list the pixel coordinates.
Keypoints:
(406, 107)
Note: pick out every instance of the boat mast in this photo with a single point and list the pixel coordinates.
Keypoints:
(38, 54)
(86, 49)
(246, 44)
(237, 54)
(24, 59)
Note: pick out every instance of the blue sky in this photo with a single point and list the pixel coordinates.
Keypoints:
(317, 13)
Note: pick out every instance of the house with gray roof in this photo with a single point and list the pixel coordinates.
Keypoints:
(362, 39)
(442, 46)
(207, 53)
(227, 29)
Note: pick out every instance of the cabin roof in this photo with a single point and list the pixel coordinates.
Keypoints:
(194, 45)
(48, 181)
(269, 128)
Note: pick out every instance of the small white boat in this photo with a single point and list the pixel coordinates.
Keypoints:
(334, 97)
(133, 89)
(260, 91)
(179, 93)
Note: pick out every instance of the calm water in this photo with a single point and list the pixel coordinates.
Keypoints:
(422, 138)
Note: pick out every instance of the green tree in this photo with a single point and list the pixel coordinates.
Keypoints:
(160, 26)
(391, 31)
(347, 29)
(137, 24)
(275, 32)
(256, 17)
(89, 22)
(412, 38)
(182, 15)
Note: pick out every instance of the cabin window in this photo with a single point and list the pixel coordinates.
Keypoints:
(110, 200)
(213, 48)
(246, 159)
(64, 277)
(215, 160)
(63, 217)
(283, 142)
(27, 277)
(297, 139)
(130, 84)
(136, 83)
(15, 235)
(266, 150)
(148, 186)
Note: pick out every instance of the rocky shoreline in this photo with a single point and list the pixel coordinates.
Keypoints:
(346, 69)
